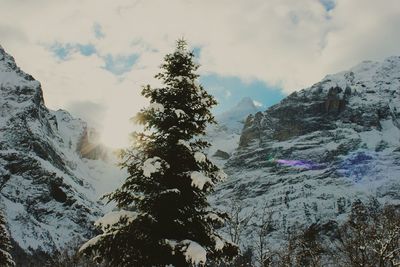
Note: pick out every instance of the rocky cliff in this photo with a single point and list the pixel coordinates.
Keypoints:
(49, 191)
(308, 157)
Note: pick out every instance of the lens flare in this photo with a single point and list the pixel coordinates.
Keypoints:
(357, 165)
(300, 164)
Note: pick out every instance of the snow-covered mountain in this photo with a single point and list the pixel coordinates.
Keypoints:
(51, 171)
(224, 137)
(308, 157)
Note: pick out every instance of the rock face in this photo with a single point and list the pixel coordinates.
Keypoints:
(221, 154)
(308, 157)
(48, 191)
(89, 146)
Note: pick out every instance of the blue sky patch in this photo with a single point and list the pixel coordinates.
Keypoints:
(230, 90)
(196, 51)
(119, 64)
(98, 31)
(114, 64)
(61, 51)
(328, 4)
(87, 49)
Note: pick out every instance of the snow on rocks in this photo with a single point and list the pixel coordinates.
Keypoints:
(199, 180)
(221, 175)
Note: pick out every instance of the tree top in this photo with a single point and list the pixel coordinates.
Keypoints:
(181, 44)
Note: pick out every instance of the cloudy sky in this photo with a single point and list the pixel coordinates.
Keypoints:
(92, 56)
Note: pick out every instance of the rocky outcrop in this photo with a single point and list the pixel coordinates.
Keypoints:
(308, 157)
(221, 154)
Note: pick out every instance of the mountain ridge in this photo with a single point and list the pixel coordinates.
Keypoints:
(49, 190)
(310, 156)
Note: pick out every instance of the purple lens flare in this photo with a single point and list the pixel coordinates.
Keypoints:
(301, 164)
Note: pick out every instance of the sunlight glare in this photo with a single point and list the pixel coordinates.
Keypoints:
(116, 129)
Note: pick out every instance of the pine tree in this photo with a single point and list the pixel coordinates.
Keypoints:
(164, 215)
(5, 244)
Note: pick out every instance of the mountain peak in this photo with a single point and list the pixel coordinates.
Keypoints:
(239, 112)
(246, 102)
(47, 189)
(379, 75)
(16, 86)
(7, 59)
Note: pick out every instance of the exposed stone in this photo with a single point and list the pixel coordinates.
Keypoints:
(89, 146)
(309, 157)
(38, 185)
(221, 154)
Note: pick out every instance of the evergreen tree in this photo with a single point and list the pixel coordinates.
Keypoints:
(5, 244)
(164, 215)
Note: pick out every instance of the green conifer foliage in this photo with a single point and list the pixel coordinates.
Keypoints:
(164, 215)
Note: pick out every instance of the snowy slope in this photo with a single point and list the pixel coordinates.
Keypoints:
(49, 191)
(308, 157)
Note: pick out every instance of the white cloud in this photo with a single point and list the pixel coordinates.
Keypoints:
(257, 103)
(281, 42)
(88, 111)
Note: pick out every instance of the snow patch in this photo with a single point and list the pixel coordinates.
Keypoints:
(205, 101)
(199, 157)
(199, 180)
(151, 165)
(194, 252)
(179, 113)
(219, 244)
(90, 242)
(184, 143)
(221, 175)
(157, 107)
(214, 217)
(114, 217)
(173, 190)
